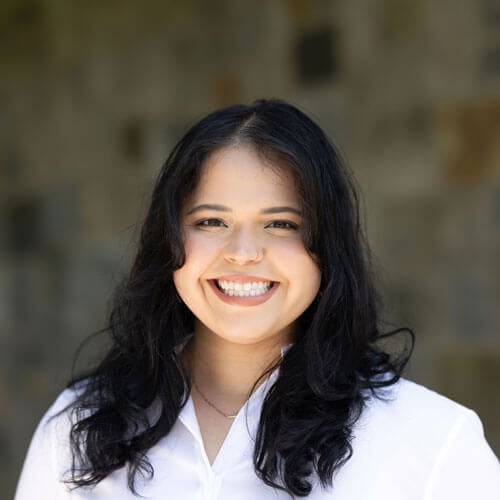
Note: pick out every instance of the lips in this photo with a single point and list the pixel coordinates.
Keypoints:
(243, 290)
(249, 288)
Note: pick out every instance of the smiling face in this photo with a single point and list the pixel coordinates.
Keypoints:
(247, 276)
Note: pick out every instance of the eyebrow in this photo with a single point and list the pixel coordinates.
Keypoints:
(222, 208)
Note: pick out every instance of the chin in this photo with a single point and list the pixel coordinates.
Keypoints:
(246, 336)
(243, 338)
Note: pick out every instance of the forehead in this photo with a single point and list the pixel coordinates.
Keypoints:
(240, 173)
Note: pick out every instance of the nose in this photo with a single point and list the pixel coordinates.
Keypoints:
(243, 248)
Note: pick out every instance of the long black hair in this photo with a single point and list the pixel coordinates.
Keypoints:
(334, 365)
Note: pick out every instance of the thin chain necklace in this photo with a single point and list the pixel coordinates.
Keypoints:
(231, 417)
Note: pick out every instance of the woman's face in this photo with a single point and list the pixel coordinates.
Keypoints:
(247, 275)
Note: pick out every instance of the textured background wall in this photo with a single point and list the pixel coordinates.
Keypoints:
(94, 94)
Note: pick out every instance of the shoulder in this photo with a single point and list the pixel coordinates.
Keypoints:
(412, 404)
(414, 438)
(59, 417)
(63, 401)
(52, 432)
(411, 415)
(48, 457)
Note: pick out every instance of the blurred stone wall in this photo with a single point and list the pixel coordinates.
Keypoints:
(94, 94)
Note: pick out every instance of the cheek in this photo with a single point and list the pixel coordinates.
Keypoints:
(293, 250)
(299, 266)
(200, 252)
(309, 276)
(199, 244)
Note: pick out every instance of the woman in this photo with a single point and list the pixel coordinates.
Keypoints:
(244, 361)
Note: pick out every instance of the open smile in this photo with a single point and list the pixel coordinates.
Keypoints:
(243, 291)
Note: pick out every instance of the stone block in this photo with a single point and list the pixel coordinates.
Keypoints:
(316, 56)
(468, 138)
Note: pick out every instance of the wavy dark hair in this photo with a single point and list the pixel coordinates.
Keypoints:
(335, 364)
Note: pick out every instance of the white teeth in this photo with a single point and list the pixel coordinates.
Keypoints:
(248, 289)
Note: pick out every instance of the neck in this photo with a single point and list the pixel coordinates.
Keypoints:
(227, 371)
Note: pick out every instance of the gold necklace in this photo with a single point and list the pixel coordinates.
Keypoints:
(231, 417)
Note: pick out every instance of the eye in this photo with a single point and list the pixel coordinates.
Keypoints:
(210, 223)
(283, 224)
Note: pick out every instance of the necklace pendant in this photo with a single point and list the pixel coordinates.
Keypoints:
(230, 417)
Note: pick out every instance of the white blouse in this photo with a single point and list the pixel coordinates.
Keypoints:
(420, 445)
